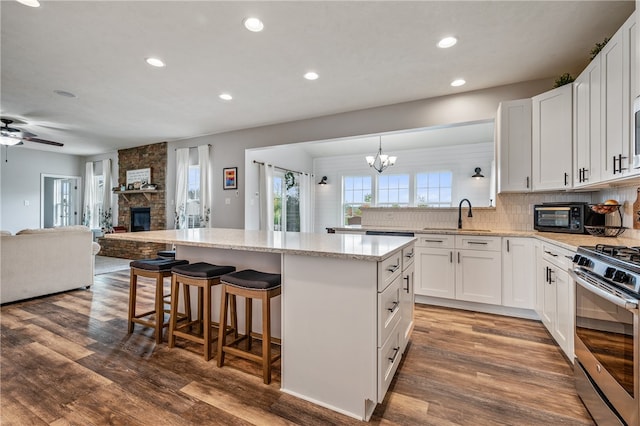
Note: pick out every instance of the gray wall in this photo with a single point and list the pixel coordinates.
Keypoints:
(229, 148)
(20, 182)
(20, 176)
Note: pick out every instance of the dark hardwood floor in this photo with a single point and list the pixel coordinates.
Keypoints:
(67, 360)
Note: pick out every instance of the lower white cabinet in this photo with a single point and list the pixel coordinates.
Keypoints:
(407, 303)
(556, 291)
(462, 267)
(518, 273)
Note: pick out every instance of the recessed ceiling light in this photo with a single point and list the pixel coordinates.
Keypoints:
(458, 82)
(311, 75)
(64, 93)
(30, 3)
(253, 24)
(225, 96)
(447, 42)
(155, 62)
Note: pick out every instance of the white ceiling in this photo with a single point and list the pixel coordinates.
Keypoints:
(367, 54)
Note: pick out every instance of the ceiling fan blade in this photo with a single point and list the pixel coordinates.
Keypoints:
(28, 134)
(44, 141)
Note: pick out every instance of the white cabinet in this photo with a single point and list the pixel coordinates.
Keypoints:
(407, 301)
(434, 266)
(615, 60)
(586, 121)
(513, 145)
(557, 309)
(552, 131)
(463, 268)
(518, 273)
(479, 269)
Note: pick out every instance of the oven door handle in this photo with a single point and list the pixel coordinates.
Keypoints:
(627, 304)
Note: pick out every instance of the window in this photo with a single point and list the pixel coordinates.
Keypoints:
(433, 189)
(98, 190)
(356, 193)
(393, 191)
(286, 202)
(193, 197)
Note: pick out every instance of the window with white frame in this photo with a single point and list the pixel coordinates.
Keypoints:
(98, 190)
(393, 191)
(433, 189)
(356, 192)
(193, 197)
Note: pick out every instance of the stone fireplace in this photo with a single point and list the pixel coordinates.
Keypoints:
(133, 203)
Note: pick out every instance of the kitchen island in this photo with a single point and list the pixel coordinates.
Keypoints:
(346, 305)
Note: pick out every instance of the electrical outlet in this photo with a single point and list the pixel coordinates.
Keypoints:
(227, 201)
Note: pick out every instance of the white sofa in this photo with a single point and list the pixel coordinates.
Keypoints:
(38, 262)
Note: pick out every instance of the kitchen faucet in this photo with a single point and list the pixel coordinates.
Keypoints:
(460, 211)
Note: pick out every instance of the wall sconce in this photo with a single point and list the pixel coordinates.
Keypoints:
(323, 181)
(477, 175)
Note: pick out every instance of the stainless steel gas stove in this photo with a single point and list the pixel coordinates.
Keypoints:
(606, 336)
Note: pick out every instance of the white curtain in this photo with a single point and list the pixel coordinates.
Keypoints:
(89, 217)
(266, 197)
(106, 220)
(306, 202)
(206, 186)
(182, 187)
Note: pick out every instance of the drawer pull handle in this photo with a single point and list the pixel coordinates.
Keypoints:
(393, 307)
(433, 241)
(482, 243)
(409, 255)
(396, 351)
(550, 253)
(407, 280)
(393, 268)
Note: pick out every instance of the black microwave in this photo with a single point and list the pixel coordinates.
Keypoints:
(565, 217)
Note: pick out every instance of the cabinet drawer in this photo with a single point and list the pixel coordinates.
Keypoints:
(389, 269)
(389, 357)
(408, 255)
(435, 240)
(474, 242)
(557, 256)
(389, 312)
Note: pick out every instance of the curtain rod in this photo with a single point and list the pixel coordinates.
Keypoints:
(191, 147)
(282, 168)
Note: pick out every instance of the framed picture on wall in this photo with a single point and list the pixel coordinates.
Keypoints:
(230, 178)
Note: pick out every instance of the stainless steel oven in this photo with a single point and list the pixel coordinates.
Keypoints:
(606, 332)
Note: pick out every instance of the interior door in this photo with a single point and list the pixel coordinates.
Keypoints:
(59, 201)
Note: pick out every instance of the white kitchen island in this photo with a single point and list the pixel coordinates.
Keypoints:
(346, 305)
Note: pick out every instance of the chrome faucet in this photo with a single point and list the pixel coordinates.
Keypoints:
(460, 212)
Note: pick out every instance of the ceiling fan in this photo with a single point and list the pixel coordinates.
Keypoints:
(11, 136)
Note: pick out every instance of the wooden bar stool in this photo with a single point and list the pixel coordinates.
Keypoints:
(158, 269)
(204, 276)
(251, 285)
(169, 254)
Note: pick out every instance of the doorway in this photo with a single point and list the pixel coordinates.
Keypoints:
(59, 200)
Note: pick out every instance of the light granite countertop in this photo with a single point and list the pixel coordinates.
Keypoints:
(567, 241)
(357, 247)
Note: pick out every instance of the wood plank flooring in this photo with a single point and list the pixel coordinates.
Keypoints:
(67, 360)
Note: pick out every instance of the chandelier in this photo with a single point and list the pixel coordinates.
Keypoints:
(381, 161)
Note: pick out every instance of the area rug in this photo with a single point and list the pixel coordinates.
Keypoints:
(105, 264)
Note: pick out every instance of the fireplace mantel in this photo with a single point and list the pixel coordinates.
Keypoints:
(146, 192)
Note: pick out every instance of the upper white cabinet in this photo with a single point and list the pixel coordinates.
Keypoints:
(513, 145)
(586, 121)
(552, 132)
(617, 63)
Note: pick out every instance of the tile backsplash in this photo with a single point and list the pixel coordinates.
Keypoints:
(512, 212)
